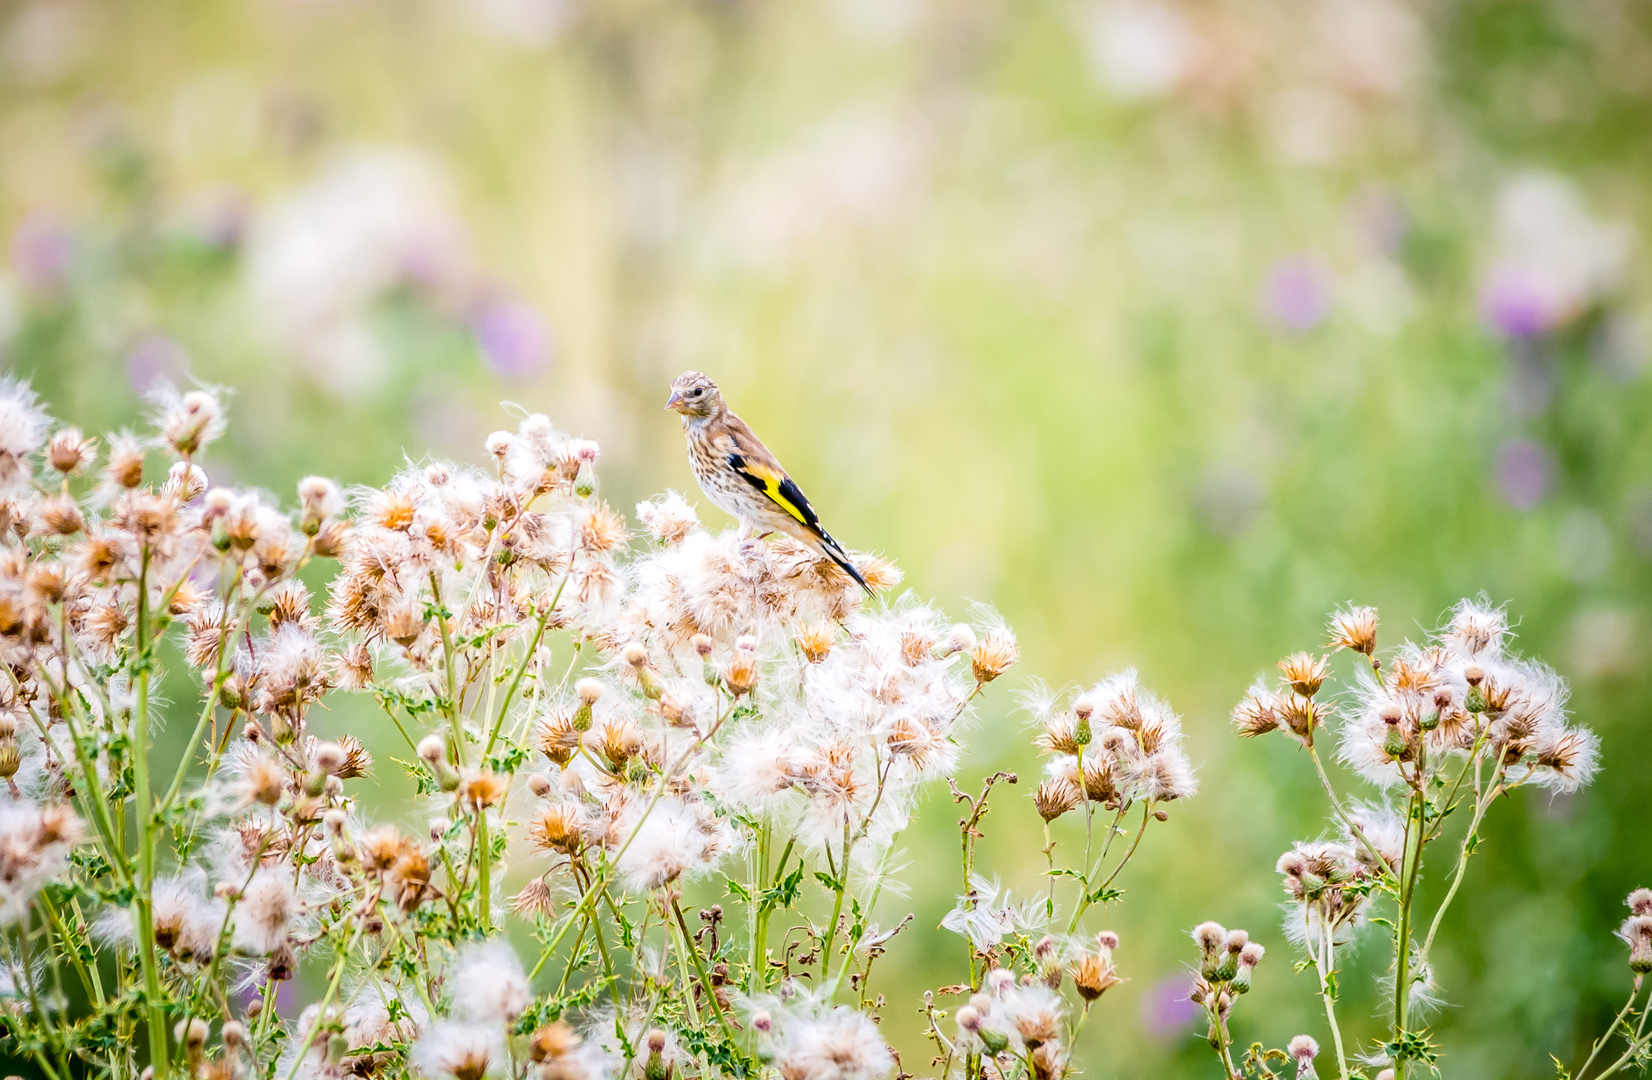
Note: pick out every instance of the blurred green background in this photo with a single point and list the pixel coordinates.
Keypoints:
(1162, 326)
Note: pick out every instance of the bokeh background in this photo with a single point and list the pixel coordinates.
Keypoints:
(1161, 325)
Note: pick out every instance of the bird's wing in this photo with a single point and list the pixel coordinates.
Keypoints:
(753, 463)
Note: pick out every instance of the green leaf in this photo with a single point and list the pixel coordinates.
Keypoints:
(784, 892)
(509, 759)
(1063, 871)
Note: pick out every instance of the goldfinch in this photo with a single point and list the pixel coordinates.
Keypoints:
(741, 477)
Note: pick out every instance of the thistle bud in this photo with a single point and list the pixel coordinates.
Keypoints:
(70, 452)
(993, 655)
(996, 1042)
(553, 1042)
(1211, 939)
(329, 757)
(432, 749)
(320, 499)
(590, 692)
(1054, 798)
(1355, 629)
(193, 422)
(1044, 951)
(1394, 742)
(1636, 931)
(1304, 672)
(1303, 1049)
(539, 784)
(740, 676)
(655, 1067)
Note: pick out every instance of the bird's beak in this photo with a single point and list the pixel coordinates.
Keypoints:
(674, 400)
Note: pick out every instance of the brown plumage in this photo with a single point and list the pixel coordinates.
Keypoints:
(741, 477)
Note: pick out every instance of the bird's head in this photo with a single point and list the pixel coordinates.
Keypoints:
(694, 395)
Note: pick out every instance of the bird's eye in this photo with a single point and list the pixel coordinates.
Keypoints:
(698, 390)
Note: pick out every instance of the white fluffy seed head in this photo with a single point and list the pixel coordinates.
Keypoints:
(264, 912)
(488, 984)
(320, 497)
(329, 757)
(1209, 936)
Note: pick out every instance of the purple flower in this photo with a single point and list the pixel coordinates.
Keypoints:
(1296, 296)
(1514, 304)
(1166, 1008)
(514, 338)
(41, 250)
(1524, 472)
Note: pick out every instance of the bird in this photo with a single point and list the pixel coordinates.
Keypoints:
(741, 477)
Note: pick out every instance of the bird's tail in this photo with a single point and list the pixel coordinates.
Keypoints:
(834, 551)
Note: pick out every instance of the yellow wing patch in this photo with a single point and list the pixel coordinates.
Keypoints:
(771, 488)
(773, 483)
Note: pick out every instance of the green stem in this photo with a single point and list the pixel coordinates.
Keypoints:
(1348, 822)
(1481, 805)
(144, 808)
(88, 976)
(327, 999)
(53, 1042)
(1322, 965)
(450, 663)
(700, 971)
(484, 876)
(1409, 866)
(608, 975)
(527, 659)
(760, 944)
(211, 703)
(1611, 1029)
(840, 885)
(1085, 901)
